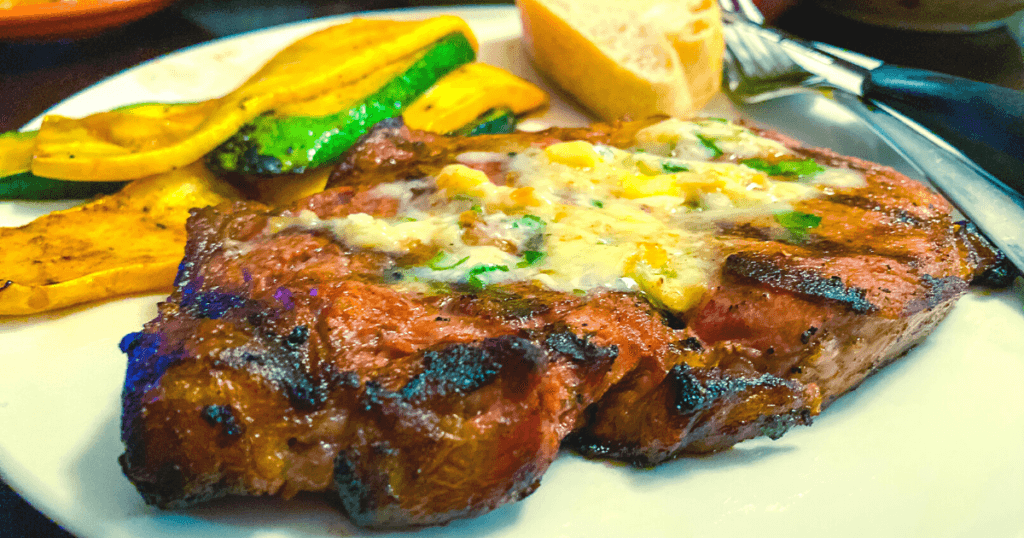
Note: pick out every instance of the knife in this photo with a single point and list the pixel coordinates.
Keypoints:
(983, 121)
(995, 209)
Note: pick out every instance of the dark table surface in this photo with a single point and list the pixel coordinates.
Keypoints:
(34, 76)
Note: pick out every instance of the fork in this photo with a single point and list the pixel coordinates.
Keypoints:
(983, 121)
(758, 69)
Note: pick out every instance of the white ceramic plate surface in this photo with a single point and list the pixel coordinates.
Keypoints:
(931, 447)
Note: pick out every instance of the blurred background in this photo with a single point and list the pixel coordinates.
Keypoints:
(36, 73)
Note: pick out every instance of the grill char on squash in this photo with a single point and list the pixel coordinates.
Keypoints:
(287, 362)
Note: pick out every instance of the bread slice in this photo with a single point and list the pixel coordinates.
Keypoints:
(628, 59)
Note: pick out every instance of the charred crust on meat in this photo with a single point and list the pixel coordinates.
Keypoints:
(304, 392)
(256, 358)
(356, 498)
(168, 486)
(185, 268)
(775, 426)
(287, 363)
(897, 214)
(999, 275)
(298, 336)
(146, 364)
(940, 290)
(690, 394)
(673, 321)
(457, 369)
(386, 145)
(801, 281)
(209, 304)
(256, 318)
(693, 394)
(581, 350)
(997, 271)
(805, 337)
(223, 416)
(692, 344)
(593, 447)
(463, 368)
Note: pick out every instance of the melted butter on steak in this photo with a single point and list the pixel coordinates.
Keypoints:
(577, 216)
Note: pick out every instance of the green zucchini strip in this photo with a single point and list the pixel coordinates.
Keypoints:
(273, 145)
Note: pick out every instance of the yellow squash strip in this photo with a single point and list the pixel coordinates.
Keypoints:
(280, 191)
(457, 99)
(129, 242)
(138, 126)
(340, 55)
(466, 93)
(120, 132)
(346, 96)
(15, 153)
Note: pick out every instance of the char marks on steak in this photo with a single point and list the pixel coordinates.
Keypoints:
(878, 274)
(287, 362)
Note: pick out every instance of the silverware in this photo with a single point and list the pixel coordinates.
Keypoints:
(995, 209)
(983, 121)
(758, 70)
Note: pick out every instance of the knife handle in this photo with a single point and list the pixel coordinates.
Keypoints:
(984, 121)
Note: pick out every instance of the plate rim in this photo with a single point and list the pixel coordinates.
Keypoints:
(81, 523)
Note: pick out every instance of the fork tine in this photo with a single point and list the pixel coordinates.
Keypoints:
(743, 8)
(756, 69)
(750, 11)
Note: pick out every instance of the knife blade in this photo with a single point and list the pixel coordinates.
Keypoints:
(995, 209)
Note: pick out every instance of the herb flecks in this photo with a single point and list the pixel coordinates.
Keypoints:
(672, 168)
(530, 257)
(529, 222)
(710, 144)
(442, 261)
(804, 168)
(476, 272)
(797, 223)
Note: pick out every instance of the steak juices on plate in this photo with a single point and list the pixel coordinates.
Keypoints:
(421, 338)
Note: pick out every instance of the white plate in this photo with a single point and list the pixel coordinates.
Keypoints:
(931, 447)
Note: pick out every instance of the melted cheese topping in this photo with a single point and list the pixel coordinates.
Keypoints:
(575, 216)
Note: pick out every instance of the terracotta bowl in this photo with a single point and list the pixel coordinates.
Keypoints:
(72, 19)
(927, 15)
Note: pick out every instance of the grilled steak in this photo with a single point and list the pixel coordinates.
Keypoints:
(876, 277)
(301, 352)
